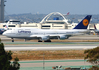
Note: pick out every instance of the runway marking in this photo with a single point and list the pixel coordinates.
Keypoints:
(53, 43)
(50, 48)
(39, 61)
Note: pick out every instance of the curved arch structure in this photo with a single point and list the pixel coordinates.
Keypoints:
(47, 17)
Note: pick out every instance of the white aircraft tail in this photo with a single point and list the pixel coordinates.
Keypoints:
(6, 26)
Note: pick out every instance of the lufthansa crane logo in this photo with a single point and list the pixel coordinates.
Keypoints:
(85, 22)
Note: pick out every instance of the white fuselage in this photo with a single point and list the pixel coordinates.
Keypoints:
(31, 32)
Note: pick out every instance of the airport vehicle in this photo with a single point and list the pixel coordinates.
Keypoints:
(46, 35)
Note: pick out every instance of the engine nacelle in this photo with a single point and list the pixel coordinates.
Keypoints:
(44, 38)
(62, 37)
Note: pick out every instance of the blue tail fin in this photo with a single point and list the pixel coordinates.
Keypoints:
(84, 23)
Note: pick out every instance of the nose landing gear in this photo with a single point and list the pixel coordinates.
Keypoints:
(12, 39)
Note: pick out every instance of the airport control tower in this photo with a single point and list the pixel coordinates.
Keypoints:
(2, 11)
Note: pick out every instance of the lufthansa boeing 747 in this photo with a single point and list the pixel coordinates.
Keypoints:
(46, 35)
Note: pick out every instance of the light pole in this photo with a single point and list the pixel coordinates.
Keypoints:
(2, 10)
(43, 61)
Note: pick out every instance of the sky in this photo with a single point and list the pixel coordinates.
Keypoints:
(49, 6)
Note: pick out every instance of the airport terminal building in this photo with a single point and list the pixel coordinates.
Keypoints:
(46, 23)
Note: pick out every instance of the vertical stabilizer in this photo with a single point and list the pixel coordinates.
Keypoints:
(84, 23)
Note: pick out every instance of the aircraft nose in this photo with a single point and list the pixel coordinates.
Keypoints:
(7, 33)
(4, 33)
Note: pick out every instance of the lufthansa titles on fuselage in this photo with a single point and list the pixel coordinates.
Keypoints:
(23, 31)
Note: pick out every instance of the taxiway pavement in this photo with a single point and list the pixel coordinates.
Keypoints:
(20, 46)
(48, 64)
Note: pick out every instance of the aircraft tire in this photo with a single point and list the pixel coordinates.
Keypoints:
(48, 41)
(12, 40)
(39, 41)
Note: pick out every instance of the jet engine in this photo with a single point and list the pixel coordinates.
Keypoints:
(44, 38)
(62, 37)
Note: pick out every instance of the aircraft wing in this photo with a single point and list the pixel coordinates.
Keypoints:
(46, 37)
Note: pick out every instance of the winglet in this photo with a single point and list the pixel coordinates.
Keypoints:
(84, 23)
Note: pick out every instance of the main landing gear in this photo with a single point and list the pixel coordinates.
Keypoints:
(39, 41)
(47, 41)
(44, 41)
